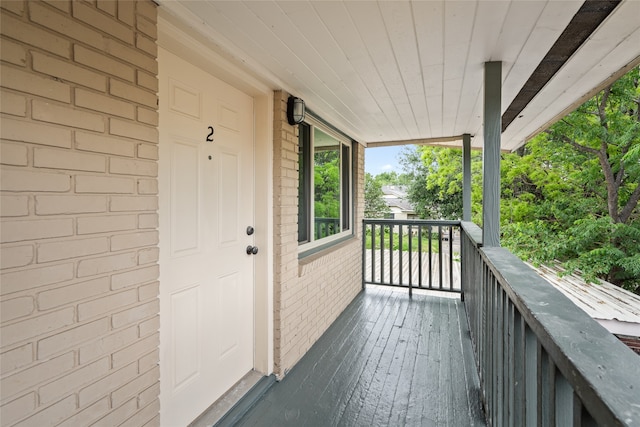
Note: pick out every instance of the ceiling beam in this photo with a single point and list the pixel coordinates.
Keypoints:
(421, 141)
(589, 17)
(445, 142)
(587, 96)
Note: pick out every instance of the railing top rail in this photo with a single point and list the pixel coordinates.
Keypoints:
(603, 371)
(410, 221)
(473, 232)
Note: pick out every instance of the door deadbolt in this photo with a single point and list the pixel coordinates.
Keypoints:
(250, 230)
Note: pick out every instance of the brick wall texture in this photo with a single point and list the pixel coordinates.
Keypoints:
(79, 292)
(309, 294)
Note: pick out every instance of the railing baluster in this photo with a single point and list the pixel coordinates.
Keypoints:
(373, 252)
(420, 256)
(482, 306)
(506, 358)
(391, 254)
(364, 254)
(499, 355)
(440, 257)
(494, 344)
(508, 369)
(450, 257)
(400, 251)
(381, 254)
(410, 260)
(517, 367)
(430, 260)
(545, 387)
(564, 407)
(531, 379)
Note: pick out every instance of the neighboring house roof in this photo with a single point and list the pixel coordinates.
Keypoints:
(395, 196)
(614, 308)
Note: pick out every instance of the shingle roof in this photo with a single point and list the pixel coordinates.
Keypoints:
(396, 196)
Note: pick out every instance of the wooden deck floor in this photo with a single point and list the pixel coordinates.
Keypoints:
(387, 361)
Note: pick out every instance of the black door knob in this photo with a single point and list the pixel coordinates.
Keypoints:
(252, 250)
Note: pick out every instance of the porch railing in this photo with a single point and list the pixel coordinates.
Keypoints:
(421, 254)
(326, 227)
(542, 361)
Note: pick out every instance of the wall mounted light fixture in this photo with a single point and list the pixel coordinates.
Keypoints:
(295, 110)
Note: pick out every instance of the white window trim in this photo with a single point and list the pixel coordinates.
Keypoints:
(344, 140)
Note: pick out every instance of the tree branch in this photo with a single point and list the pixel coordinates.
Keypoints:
(602, 107)
(625, 213)
(579, 147)
(620, 175)
(609, 177)
(612, 188)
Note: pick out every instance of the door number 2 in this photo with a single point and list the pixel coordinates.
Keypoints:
(210, 134)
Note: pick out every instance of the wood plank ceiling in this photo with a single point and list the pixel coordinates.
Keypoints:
(393, 72)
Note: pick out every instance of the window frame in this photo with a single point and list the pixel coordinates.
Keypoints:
(307, 243)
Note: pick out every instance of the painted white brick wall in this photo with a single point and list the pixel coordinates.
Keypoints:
(309, 294)
(79, 290)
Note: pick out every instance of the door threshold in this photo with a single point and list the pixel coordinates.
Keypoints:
(235, 402)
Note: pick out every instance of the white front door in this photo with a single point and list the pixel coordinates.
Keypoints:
(206, 187)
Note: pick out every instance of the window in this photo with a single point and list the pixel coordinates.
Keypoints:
(324, 192)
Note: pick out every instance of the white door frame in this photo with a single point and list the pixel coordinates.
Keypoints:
(175, 37)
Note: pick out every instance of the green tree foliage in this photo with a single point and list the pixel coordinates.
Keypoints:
(374, 205)
(572, 193)
(327, 184)
(392, 178)
(435, 189)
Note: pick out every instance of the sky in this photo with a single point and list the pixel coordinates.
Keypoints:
(382, 159)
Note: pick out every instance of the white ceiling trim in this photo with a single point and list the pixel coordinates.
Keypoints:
(389, 71)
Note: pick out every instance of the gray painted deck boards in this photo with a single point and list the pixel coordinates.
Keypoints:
(386, 361)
